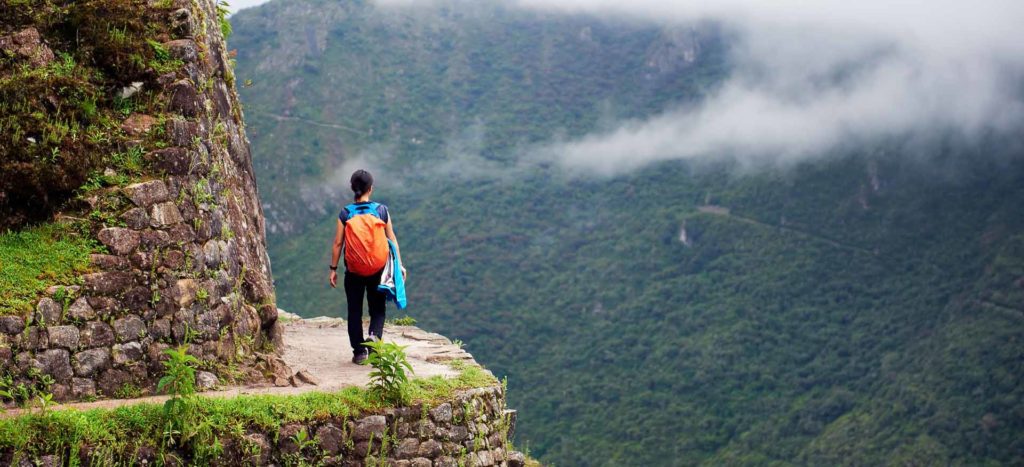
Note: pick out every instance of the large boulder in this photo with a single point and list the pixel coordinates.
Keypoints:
(127, 353)
(129, 328)
(164, 214)
(81, 310)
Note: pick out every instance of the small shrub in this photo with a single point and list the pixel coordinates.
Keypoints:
(23, 393)
(223, 10)
(179, 373)
(180, 382)
(389, 364)
(128, 391)
(404, 321)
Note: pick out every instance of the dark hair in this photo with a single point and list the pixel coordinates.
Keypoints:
(361, 182)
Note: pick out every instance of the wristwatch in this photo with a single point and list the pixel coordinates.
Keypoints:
(333, 268)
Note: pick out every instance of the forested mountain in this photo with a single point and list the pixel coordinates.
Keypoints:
(865, 308)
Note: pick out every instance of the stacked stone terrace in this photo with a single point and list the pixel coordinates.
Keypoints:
(187, 259)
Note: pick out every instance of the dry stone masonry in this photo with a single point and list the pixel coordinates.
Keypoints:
(471, 429)
(187, 258)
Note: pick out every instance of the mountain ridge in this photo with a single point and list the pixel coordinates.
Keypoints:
(844, 324)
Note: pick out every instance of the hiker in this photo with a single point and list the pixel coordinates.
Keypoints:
(367, 236)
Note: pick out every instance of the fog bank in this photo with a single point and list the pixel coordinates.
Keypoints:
(812, 76)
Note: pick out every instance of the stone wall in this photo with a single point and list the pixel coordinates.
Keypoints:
(472, 428)
(187, 259)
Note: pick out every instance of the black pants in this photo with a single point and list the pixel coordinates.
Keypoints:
(355, 286)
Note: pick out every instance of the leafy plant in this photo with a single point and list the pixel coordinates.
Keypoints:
(223, 10)
(403, 321)
(64, 65)
(389, 364)
(303, 440)
(62, 296)
(24, 392)
(130, 161)
(45, 400)
(159, 50)
(128, 391)
(179, 373)
(179, 381)
(202, 193)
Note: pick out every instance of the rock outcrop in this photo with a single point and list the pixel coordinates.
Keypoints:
(186, 260)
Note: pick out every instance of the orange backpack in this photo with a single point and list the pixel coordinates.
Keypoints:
(366, 244)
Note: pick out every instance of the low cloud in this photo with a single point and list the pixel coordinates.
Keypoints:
(813, 76)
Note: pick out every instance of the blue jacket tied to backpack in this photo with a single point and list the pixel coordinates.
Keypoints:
(391, 281)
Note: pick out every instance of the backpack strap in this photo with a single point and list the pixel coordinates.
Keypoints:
(354, 210)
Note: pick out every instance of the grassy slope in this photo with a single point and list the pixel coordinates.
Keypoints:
(804, 328)
(35, 258)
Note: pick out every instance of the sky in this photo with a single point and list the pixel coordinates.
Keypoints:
(239, 4)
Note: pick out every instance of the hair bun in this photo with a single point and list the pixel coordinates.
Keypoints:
(361, 182)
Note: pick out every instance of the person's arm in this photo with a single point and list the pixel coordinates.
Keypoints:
(339, 243)
(390, 230)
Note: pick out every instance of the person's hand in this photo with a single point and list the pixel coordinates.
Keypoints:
(405, 275)
(334, 279)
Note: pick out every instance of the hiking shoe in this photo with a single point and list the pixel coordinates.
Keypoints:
(359, 358)
(370, 339)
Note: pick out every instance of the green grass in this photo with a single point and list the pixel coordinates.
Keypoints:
(37, 257)
(118, 431)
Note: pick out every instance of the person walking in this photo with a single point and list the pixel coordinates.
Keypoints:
(363, 230)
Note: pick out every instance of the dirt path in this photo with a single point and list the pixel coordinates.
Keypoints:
(285, 118)
(1009, 310)
(320, 347)
(725, 212)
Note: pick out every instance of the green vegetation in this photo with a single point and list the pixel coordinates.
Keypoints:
(113, 436)
(403, 321)
(179, 381)
(412, 87)
(389, 364)
(25, 393)
(61, 122)
(128, 391)
(864, 309)
(34, 258)
(223, 10)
